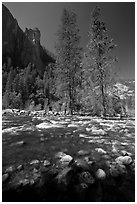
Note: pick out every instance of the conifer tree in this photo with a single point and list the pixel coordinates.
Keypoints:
(98, 60)
(68, 59)
(8, 89)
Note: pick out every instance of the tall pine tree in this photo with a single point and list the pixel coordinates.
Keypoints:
(68, 59)
(98, 60)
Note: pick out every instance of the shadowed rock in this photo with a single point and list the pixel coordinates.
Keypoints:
(19, 48)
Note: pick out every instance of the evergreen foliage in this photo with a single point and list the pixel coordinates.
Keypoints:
(97, 63)
(68, 59)
(72, 83)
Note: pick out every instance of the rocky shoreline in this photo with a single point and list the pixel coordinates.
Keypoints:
(41, 113)
(71, 179)
(67, 158)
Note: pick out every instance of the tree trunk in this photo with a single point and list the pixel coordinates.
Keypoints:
(70, 100)
(103, 100)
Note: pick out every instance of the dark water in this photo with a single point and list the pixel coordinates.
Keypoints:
(63, 138)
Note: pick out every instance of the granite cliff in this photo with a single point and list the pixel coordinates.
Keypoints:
(21, 48)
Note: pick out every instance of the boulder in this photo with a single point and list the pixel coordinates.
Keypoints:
(10, 169)
(121, 168)
(59, 155)
(5, 177)
(7, 112)
(125, 153)
(33, 162)
(19, 143)
(22, 112)
(119, 159)
(83, 135)
(117, 169)
(46, 163)
(126, 160)
(100, 174)
(88, 129)
(23, 182)
(65, 160)
(100, 150)
(114, 171)
(20, 167)
(83, 152)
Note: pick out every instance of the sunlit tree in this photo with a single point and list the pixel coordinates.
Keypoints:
(98, 61)
(68, 58)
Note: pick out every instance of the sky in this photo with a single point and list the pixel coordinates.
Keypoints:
(119, 18)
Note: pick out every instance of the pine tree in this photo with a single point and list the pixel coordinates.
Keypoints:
(68, 59)
(4, 80)
(98, 60)
(7, 99)
(48, 81)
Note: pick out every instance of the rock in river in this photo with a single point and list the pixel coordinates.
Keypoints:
(20, 167)
(65, 160)
(100, 174)
(83, 152)
(10, 169)
(46, 163)
(114, 171)
(59, 155)
(125, 153)
(19, 143)
(117, 169)
(126, 160)
(23, 182)
(34, 162)
(100, 150)
(5, 177)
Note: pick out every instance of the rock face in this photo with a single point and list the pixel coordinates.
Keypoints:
(21, 48)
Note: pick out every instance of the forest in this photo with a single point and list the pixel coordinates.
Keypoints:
(80, 80)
